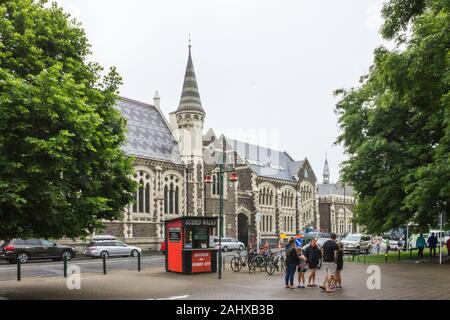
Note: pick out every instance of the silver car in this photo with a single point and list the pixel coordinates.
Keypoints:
(357, 243)
(229, 244)
(110, 248)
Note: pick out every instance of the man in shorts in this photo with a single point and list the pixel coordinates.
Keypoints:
(329, 256)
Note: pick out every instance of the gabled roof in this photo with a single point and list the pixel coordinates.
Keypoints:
(148, 135)
(266, 162)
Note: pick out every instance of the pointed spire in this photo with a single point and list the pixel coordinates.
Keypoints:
(326, 172)
(190, 96)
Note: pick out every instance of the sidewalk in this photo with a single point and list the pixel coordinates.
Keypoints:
(420, 281)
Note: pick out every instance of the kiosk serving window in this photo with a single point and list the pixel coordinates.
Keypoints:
(197, 238)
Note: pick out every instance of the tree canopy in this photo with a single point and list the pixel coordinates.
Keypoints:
(61, 165)
(395, 127)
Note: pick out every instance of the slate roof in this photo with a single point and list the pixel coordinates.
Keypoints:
(148, 134)
(264, 161)
(329, 189)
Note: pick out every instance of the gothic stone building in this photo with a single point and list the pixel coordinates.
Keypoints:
(172, 157)
(336, 202)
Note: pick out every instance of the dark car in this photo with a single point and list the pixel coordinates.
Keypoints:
(34, 249)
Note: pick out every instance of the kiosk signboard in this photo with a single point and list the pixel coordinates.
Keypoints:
(201, 261)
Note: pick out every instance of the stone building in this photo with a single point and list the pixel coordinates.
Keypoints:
(274, 193)
(336, 203)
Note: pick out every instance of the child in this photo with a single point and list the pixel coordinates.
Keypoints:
(301, 270)
(340, 266)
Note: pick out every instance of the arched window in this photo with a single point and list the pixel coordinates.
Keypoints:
(172, 187)
(142, 196)
(287, 198)
(266, 196)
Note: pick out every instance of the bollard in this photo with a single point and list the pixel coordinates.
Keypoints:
(104, 264)
(139, 261)
(19, 276)
(353, 256)
(410, 253)
(365, 258)
(385, 257)
(223, 262)
(399, 258)
(65, 267)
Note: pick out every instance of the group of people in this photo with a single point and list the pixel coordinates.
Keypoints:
(302, 260)
(432, 242)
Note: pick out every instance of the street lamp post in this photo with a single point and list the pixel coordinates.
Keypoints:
(233, 178)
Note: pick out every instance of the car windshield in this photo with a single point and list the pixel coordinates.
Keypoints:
(352, 238)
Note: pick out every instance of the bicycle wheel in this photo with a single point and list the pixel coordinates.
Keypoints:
(260, 263)
(236, 264)
(270, 267)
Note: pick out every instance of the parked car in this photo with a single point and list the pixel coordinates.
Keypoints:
(229, 244)
(34, 249)
(110, 248)
(357, 242)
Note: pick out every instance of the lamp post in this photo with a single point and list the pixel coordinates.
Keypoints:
(233, 178)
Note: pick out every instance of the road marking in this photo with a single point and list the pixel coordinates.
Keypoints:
(171, 298)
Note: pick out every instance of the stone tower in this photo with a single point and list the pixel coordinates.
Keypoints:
(190, 117)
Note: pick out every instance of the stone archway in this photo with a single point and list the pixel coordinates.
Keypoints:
(243, 229)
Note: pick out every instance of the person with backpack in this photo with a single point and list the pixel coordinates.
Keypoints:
(292, 260)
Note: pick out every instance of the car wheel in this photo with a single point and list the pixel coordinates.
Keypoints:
(104, 254)
(241, 248)
(225, 248)
(134, 253)
(23, 257)
(66, 255)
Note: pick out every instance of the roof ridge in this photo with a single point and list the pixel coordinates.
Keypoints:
(256, 145)
(137, 101)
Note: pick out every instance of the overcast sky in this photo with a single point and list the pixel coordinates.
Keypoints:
(264, 67)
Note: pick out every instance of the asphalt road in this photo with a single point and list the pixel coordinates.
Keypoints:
(46, 268)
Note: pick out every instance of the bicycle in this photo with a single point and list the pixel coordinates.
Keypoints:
(249, 260)
(275, 262)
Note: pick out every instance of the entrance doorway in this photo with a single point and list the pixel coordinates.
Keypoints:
(243, 228)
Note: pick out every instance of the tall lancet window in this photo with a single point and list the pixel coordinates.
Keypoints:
(172, 196)
(142, 197)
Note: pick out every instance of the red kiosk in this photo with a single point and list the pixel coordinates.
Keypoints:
(189, 248)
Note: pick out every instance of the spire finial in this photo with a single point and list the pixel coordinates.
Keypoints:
(189, 43)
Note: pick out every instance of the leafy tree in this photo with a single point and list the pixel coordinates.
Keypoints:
(396, 124)
(61, 166)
